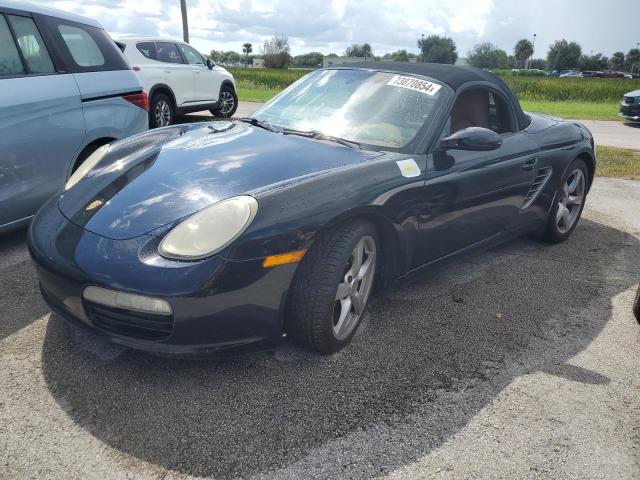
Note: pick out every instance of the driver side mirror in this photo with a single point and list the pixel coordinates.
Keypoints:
(210, 64)
(473, 138)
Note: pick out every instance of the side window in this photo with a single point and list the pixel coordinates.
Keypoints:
(168, 52)
(192, 56)
(31, 45)
(480, 107)
(10, 63)
(83, 48)
(148, 49)
(500, 118)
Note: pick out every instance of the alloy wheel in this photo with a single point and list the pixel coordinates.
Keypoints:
(355, 287)
(162, 113)
(226, 103)
(570, 200)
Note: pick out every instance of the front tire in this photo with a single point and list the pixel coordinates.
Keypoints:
(332, 287)
(161, 111)
(227, 103)
(568, 203)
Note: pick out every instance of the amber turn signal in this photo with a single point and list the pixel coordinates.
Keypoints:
(283, 258)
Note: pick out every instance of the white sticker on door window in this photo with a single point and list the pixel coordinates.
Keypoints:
(408, 168)
(415, 84)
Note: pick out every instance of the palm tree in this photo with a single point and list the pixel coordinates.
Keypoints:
(247, 48)
(185, 22)
(522, 51)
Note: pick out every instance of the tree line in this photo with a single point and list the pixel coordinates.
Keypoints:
(562, 55)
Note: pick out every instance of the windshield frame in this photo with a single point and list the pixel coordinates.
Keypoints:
(419, 142)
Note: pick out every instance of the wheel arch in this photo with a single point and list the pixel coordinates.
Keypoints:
(88, 150)
(227, 82)
(394, 245)
(590, 161)
(163, 88)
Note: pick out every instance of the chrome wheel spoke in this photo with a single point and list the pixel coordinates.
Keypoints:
(345, 311)
(574, 200)
(357, 302)
(356, 259)
(560, 213)
(344, 290)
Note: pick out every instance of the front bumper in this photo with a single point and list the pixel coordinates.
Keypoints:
(216, 303)
(630, 112)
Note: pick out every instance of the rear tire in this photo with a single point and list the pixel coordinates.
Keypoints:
(568, 203)
(332, 287)
(161, 111)
(227, 103)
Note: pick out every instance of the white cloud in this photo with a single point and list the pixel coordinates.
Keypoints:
(388, 25)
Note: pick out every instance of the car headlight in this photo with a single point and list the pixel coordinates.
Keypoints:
(86, 166)
(210, 230)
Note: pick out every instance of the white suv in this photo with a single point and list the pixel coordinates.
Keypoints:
(179, 79)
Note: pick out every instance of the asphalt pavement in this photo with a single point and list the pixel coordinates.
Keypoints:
(521, 362)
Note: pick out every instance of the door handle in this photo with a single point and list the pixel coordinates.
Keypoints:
(530, 164)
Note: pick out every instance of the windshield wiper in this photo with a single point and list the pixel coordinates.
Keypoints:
(317, 135)
(256, 122)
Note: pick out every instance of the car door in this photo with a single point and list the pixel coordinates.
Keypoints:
(205, 90)
(474, 196)
(41, 123)
(179, 75)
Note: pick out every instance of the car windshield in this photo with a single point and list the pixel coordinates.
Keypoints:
(379, 109)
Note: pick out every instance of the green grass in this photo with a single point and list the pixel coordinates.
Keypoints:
(575, 110)
(618, 162)
(255, 94)
(553, 89)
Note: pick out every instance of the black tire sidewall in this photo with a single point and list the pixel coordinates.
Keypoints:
(552, 232)
(152, 109)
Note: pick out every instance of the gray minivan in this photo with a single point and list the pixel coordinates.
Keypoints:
(65, 90)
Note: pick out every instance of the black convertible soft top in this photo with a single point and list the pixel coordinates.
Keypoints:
(453, 75)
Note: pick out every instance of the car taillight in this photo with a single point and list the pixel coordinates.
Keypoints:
(139, 100)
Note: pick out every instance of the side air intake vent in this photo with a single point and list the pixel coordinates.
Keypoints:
(543, 176)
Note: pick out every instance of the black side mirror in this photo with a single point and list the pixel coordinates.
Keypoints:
(472, 138)
(210, 64)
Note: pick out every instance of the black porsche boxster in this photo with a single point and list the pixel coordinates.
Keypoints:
(201, 237)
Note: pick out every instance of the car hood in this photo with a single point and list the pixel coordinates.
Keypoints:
(635, 93)
(150, 181)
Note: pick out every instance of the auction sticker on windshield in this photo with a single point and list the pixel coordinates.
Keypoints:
(414, 84)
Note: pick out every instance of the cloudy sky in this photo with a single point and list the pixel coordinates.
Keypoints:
(388, 25)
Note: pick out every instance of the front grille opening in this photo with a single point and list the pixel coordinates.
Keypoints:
(128, 323)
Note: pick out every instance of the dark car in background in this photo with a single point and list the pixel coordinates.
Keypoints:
(608, 74)
(207, 236)
(630, 106)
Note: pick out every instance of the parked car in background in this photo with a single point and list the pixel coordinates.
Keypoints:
(65, 90)
(608, 74)
(179, 79)
(571, 74)
(589, 74)
(630, 106)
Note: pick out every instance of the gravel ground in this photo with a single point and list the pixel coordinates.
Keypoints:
(521, 362)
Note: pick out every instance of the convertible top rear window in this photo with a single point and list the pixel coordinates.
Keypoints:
(379, 109)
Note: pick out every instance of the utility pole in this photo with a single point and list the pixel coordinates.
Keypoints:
(185, 22)
(422, 49)
(533, 49)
